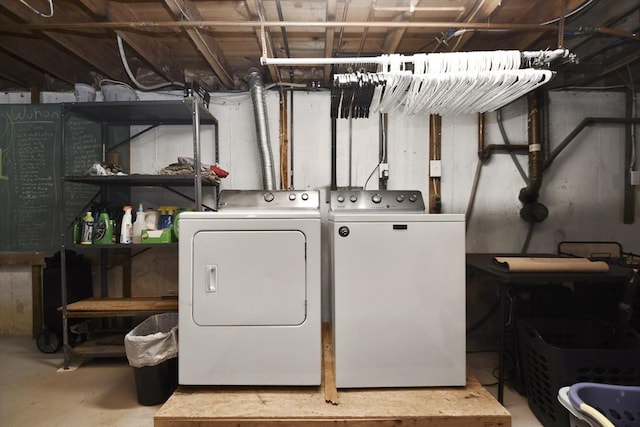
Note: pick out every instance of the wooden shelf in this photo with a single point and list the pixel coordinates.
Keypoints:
(108, 346)
(120, 307)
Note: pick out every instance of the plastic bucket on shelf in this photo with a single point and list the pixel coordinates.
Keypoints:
(84, 92)
(117, 91)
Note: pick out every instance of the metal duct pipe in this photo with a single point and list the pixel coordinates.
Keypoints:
(262, 129)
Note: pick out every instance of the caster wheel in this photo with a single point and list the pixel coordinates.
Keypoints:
(48, 341)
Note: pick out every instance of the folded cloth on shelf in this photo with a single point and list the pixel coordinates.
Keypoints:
(550, 265)
(186, 166)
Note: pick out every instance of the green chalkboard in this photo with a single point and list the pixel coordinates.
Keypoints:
(30, 174)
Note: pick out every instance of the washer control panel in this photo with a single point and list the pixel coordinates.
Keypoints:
(269, 199)
(377, 200)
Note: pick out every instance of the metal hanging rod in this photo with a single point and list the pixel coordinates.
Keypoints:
(546, 56)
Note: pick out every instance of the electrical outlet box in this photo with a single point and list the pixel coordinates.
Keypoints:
(634, 177)
(435, 168)
(383, 171)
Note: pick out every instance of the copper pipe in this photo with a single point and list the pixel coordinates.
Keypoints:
(481, 136)
(435, 148)
(529, 194)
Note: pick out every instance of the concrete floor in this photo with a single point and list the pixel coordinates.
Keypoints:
(101, 392)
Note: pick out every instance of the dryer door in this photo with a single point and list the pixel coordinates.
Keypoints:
(249, 278)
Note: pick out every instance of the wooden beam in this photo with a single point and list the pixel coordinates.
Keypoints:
(620, 64)
(329, 37)
(85, 46)
(394, 36)
(254, 15)
(524, 41)
(19, 73)
(206, 44)
(479, 14)
(149, 48)
(44, 56)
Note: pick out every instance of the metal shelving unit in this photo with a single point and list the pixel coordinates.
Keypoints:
(153, 114)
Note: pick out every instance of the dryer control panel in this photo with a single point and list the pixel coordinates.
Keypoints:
(268, 199)
(392, 201)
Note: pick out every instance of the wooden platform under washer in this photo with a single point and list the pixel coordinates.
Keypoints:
(467, 406)
(297, 407)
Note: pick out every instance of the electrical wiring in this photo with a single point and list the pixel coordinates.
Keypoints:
(37, 12)
(132, 77)
(570, 14)
(383, 155)
(459, 33)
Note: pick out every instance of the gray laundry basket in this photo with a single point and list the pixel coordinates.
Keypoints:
(152, 351)
(618, 404)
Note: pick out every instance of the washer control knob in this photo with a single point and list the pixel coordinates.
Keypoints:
(268, 197)
(353, 198)
(413, 198)
(376, 198)
(400, 198)
(292, 196)
(305, 196)
(340, 198)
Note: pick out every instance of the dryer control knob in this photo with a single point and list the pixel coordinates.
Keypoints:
(305, 196)
(340, 198)
(413, 198)
(292, 196)
(400, 198)
(268, 197)
(376, 198)
(353, 198)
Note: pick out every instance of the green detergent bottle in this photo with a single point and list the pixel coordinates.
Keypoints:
(104, 230)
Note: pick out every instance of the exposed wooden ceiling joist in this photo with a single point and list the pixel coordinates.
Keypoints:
(20, 73)
(329, 37)
(263, 37)
(206, 45)
(51, 60)
(392, 39)
(215, 42)
(526, 40)
(481, 13)
(83, 45)
(149, 48)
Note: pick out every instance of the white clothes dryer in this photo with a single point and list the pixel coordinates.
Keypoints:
(249, 291)
(398, 291)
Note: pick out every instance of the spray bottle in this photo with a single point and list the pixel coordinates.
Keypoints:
(139, 225)
(126, 227)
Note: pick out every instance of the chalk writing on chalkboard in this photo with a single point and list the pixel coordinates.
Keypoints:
(29, 136)
(30, 174)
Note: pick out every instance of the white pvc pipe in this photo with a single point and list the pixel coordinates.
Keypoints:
(547, 55)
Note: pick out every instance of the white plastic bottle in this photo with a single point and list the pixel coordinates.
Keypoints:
(138, 225)
(126, 228)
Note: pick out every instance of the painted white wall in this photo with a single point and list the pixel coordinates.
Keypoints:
(583, 189)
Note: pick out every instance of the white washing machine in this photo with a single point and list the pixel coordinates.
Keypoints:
(398, 291)
(249, 291)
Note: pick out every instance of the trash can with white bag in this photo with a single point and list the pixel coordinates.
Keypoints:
(152, 351)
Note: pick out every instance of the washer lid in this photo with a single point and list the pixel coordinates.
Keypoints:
(249, 278)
